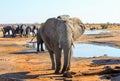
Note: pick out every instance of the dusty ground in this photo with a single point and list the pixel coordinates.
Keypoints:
(36, 67)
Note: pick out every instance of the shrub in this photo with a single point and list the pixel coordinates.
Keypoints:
(104, 26)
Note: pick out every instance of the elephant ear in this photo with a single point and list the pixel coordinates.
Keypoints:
(77, 27)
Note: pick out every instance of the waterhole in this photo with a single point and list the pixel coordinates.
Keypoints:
(86, 50)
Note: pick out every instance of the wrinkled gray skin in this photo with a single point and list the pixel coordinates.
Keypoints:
(58, 34)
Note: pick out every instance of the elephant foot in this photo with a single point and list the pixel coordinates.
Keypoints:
(42, 50)
(63, 71)
(38, 50)
(13, 36)
(68, 68)
(57, 72)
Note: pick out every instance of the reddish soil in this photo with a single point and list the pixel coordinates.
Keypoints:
(36, 67)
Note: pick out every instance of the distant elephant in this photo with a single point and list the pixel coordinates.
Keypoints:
(39, 42)
(15, 30)
(7, 29)
(92, 28)
(34, 30)
(58, 34)
(24, 30)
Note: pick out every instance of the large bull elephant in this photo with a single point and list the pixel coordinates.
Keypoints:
(58, 34)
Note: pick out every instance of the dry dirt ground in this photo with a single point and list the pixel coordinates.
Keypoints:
(18, 66)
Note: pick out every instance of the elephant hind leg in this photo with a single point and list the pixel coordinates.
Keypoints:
(42, 46)
(52, 59)
(58, 59)
(69, 63)
(67, 59)
(38, 46)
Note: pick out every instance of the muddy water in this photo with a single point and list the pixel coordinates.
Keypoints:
(92, 50)
(87, 50)
(95, 31)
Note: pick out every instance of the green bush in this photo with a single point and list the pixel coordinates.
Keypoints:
(104, 26)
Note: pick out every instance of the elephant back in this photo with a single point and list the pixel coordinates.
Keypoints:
(51, 24)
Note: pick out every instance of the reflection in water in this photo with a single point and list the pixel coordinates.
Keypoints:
(30, 45)
(33, 45)
(87, 50)
(95, 31)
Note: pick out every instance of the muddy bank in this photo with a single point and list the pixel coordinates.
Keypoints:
(110, 38)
